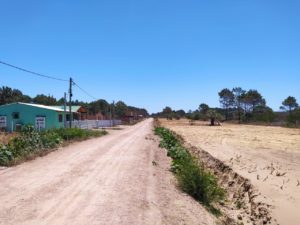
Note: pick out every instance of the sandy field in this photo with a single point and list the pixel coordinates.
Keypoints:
(121, 178)
(268, 156)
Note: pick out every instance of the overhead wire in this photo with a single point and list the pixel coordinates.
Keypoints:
(34, 73)
(84, 91)
(49, 77)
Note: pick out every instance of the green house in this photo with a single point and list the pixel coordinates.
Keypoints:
(13, 116)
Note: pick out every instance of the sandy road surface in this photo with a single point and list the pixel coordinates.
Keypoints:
(108, 180)
(268, 156)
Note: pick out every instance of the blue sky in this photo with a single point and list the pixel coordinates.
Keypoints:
(153, 53)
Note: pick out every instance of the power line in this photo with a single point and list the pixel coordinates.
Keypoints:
(84, 91)
(34, 73)
(49, 77)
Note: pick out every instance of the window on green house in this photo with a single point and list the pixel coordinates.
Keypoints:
(3, 122)
(15, 115)
(60, 118)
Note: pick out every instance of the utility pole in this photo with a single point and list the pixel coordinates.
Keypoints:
(110, 112)
(65, 110)
(70, 102)
(113, 114)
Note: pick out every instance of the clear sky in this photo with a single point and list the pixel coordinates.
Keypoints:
(153, 53)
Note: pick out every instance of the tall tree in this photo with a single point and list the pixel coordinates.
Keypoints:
(226, 100)
(252, 99)
(167, 112)
(9, 95)
(263, 114)
(137, 111)
(99, 106)
(203, 108)
(238, 93)
(45, 100)
(289, 103)
(180, 113)
(245, 102)
(120, 109)
(25, 98)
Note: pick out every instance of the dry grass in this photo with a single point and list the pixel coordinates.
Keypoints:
(239, 136)
(268, 156)
(5, 137)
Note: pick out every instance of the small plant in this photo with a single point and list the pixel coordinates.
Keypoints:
(199, 183)
(5, 155)
(191, 175)
(239, 204)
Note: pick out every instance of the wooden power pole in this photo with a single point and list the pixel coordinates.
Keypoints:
(70, 102)
(65, 110)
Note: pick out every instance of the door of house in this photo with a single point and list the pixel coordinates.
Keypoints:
(40, 122)
(3, 122)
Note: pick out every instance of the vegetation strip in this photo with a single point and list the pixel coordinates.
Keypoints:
(240, 206)
(31, 143)
(192, 177)
(242, 106)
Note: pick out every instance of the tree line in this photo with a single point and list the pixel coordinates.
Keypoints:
(241, 105)
(118, 109)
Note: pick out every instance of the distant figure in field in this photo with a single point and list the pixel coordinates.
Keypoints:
(214, 117)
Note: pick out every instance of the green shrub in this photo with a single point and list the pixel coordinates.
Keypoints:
(5, 155)
(293, 118)
(168, 140)
(192, 177)
(263, 114)
(31, 142)
(50, 139)
(76, 133)
(199, 183)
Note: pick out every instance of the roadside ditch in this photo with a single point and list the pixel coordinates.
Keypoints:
(244, 204)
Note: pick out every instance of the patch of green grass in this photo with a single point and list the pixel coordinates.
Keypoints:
(31, 143)
(77, 134)
(239, 204)
(191, 175)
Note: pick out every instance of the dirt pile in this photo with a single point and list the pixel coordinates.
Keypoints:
(245, 203)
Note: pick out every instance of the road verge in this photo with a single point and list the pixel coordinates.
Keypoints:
(244, 204)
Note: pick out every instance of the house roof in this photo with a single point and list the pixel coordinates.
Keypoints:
(55, 108)
(74, 108)
(42, 106)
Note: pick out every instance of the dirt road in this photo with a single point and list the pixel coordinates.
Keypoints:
(121, 178)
